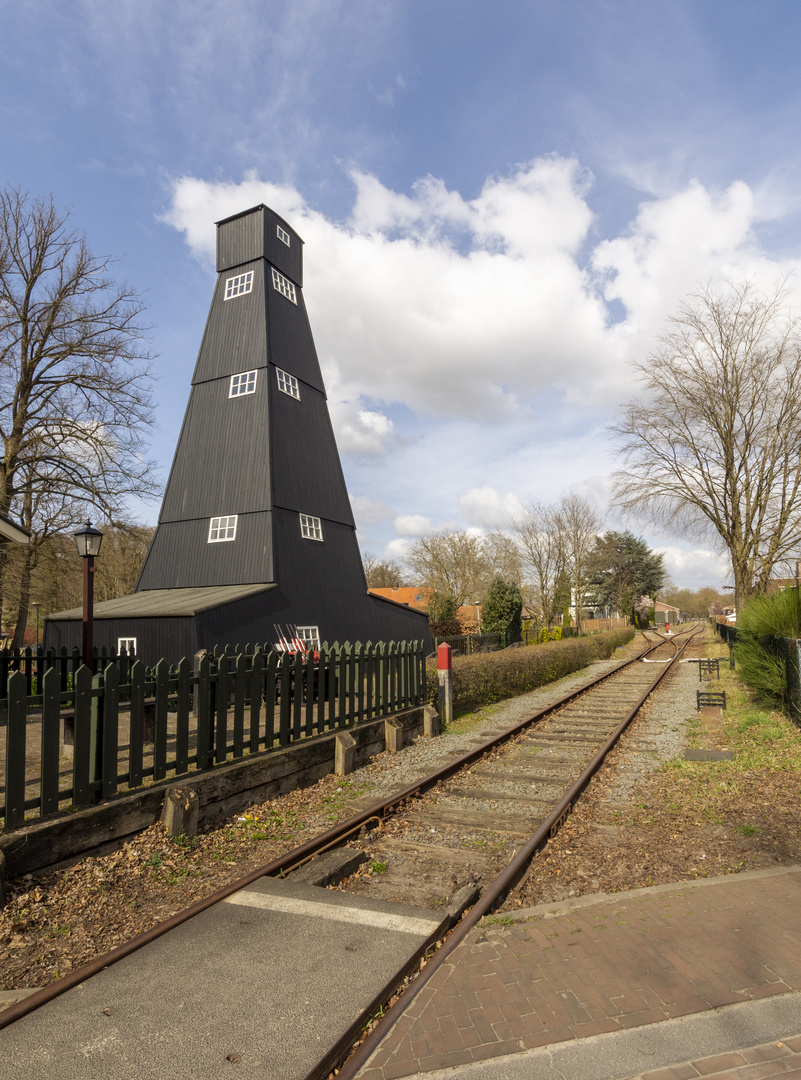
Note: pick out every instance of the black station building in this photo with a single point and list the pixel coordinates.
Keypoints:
(256, 527)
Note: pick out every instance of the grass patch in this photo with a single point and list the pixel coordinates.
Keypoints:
(497, 920)
(756, 794)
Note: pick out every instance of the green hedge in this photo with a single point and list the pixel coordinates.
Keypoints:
(484, 678)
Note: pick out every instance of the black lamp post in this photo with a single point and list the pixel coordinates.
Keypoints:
(37, 605)
(88, 541)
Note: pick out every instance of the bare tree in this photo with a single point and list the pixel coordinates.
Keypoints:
(451, 564)
(578, 525)
(74, 380)
(541, 545)
(502, 557)
(380, 573)
(715, 447)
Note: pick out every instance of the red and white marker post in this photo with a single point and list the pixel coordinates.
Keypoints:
(444, 655)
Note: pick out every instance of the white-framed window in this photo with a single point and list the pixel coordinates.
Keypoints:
(237, 286)
(283, 235)
(127, 643)
(222, 528)
(243, 383)
(288, 383)
(284, 286)
(309, 634)
(310, 527)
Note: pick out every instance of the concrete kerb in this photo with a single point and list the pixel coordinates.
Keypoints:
(622, 1054)
(578, 903)
(221, 792)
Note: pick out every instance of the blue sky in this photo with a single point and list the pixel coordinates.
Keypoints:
(500, 209)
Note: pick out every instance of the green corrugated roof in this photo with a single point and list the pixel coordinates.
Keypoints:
(161, 603)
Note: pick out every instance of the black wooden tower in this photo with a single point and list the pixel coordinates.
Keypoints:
(256, 527)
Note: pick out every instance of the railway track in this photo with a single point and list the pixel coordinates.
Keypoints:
(514, 791)
(463, 831)
(456, 840)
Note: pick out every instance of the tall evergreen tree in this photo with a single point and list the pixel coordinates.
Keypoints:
(502, 610)
(623, 568)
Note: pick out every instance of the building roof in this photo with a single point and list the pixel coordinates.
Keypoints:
(11, 533)
(163, 603)
(410, 596)
(253, 210)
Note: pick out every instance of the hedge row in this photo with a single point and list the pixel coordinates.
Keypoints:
(484, 678)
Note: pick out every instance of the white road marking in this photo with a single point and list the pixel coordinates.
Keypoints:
(382, 920)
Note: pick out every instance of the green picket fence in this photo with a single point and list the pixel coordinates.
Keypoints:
(171, 722)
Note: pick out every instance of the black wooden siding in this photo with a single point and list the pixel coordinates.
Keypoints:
(235, 338)
(180, 556)
(156, 638)
(222, 463)
(290, 341)
(253, 235)
(306, 477)
(247, 621)
(243, 333)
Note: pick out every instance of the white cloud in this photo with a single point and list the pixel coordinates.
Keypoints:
(369, 511)
(412, 525)
(484, 324)
(696, 568)
(454, 307)
(485, 506)
(362, 432)
(397, 550)
(674, 246)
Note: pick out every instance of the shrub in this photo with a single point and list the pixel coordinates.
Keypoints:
(502, 608)
(556, 633)
(485, 678)
(759, 652)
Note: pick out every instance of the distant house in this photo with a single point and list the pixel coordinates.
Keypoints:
(667, 613)
(780, 584)
(256, 528)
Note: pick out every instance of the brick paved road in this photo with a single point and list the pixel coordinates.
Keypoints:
(604, 965)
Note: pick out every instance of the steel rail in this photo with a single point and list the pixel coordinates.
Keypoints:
(288, 861)
(493, 895)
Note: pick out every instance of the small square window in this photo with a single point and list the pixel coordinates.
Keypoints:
(284, 286)
(288, 383)
(222, 528)
(243, 383)
(283, 235)
(310, 527)
(127, 643)
(309, 634)
(236, 286)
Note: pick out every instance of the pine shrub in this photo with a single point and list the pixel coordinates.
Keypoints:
(759, 651)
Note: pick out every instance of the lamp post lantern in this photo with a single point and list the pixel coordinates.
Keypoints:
(88, 541)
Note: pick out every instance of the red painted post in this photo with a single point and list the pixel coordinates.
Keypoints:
(444, 664)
